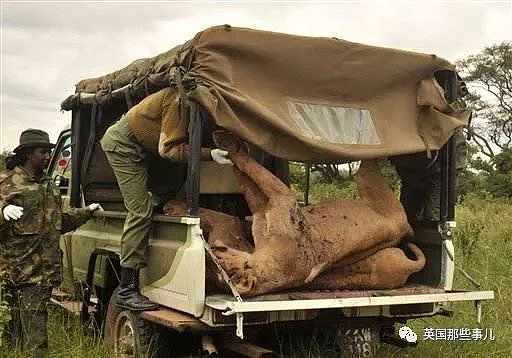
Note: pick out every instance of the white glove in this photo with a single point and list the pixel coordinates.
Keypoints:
(13, 212)
(94, 207)
(220, 156)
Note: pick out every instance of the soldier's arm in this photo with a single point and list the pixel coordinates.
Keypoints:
(4, 200)
(173, 144)
(3, 204)
(74, 217)
(2, 220)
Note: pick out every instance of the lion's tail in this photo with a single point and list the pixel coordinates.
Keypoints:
(419, 263)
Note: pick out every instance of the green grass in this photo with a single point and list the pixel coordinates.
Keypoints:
(483, 248)
(483, 244)
(66, 339)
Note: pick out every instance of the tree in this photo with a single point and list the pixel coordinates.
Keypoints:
(497, 174)
(334, 173)
(489, 75)
(489, 78)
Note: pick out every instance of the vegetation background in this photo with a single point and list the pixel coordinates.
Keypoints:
(483, 238)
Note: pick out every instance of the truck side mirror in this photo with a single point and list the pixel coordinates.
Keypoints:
(62, 183)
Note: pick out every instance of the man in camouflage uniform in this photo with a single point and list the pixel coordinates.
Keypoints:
(31, 222)
(421, 181)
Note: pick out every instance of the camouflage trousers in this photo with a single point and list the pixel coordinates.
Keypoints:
(29, 316)
(127, 158)
(421, 187)
(421, 197)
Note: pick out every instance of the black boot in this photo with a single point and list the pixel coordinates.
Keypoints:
(129, 296)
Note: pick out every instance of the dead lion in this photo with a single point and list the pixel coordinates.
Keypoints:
(386, 269)
(293, 245)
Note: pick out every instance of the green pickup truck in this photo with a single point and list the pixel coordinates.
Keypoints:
(312, 100)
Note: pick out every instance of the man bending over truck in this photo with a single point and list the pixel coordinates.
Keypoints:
(152, 126)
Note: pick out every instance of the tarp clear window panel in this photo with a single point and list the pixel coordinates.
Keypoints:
(343, 125)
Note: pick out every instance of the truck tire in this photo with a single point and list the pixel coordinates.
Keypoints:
(127, 333)
(132, 336)
(360, 342)
(110, 319)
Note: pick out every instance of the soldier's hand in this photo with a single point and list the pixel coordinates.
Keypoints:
(12, 212)
(220, 156)
(94, 206)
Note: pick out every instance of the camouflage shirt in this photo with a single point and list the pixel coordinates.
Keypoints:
(29, 247)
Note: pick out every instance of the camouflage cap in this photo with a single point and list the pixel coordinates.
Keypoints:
(34, 138)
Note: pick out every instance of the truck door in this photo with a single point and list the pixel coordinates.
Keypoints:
(59, 168)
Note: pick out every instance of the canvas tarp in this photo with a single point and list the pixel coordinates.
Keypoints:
(302, 98)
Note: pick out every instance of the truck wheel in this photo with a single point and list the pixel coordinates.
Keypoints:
(130, 336)
(358, 342)
(110, 319)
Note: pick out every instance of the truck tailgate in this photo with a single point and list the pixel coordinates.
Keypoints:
(342, 299)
